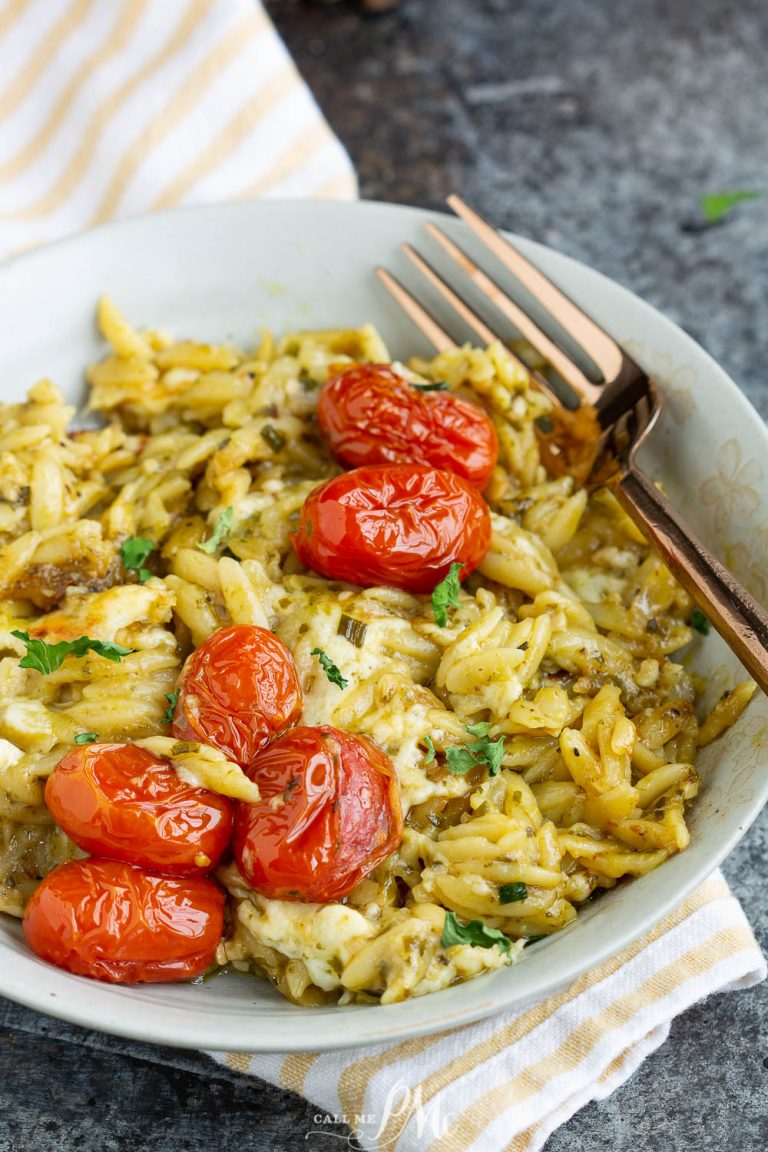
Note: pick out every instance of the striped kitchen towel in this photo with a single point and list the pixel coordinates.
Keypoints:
(109, 108)
(509, 1081)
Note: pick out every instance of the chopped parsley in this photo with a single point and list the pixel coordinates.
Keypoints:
(221, 532)
(700, 622)
(474, 932)
(459, 760)
(172, 698)
(715, 206)
(273, 439)
(430, 749)
(446, 594)
(511, 893)
(330, 669)
(433, 386)
(86, 737)
(47, 658)
(133, 552)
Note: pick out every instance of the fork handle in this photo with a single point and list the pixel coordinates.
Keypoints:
(736, 615)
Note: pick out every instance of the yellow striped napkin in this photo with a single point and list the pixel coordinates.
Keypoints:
(508, 1082)
(113, 107)
(110, 108)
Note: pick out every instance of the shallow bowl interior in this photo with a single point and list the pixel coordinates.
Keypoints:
(223, 272)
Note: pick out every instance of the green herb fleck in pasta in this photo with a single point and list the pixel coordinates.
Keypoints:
(47, 658)
(330, 669)
(352, 630)
(700, 623)
(511, 893)
(221, 532)
(433, 386)
(86, 737)
(133, 552)
(459, 760)
(446, 595)
(430, 749)
(474, 932)
(172, 698)
(274, 439)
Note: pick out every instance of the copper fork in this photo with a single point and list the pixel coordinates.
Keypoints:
(624, 403)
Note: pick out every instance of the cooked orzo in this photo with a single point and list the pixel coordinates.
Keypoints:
(543, 735)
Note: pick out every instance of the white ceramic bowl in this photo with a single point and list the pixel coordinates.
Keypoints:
(222, 272)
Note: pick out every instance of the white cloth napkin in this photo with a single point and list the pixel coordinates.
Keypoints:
(109, 108)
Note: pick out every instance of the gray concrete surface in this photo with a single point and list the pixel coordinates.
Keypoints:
(593, 126)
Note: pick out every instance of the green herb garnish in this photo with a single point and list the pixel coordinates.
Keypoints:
(85, 737)
(433, 386)
(480, 729)
(133, 553)
(46, 658)
(700, 622)
(172, 698)
(330, 669)
(715, 206)
(221, 533)
(474, 932)
(430, 750)
(511, 893)
(352, 630)
(446, 594)
(459, 760)
(274, 439)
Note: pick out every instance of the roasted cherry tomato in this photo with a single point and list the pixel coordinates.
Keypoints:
(237, 690)
(120, 801)
(393, 524)
(370, 415)
(329, 813)
(114, 922)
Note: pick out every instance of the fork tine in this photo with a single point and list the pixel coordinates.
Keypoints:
(478, 326)
(427, 325)
(598, 345)
(459, 306)
(570, 372)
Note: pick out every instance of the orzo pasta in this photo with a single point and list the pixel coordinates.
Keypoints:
(543, 735)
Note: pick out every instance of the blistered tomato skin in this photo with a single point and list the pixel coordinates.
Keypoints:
(400, 525)
(370, 415)
(329, 813)
(113, 922)
(237, 691)
(121, 802)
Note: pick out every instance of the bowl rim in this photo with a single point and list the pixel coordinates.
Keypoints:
(382, 1024)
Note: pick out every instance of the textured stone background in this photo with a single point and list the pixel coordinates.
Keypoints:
(594, 126)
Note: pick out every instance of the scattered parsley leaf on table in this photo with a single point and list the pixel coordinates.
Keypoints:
(221, 532)
(715, 206)
(511, 893)
(446, 594)
(330, 669)
(86, 737)
(172, 698)
(700, 622)
(47, 658)
(474, 932)
(133, 552)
